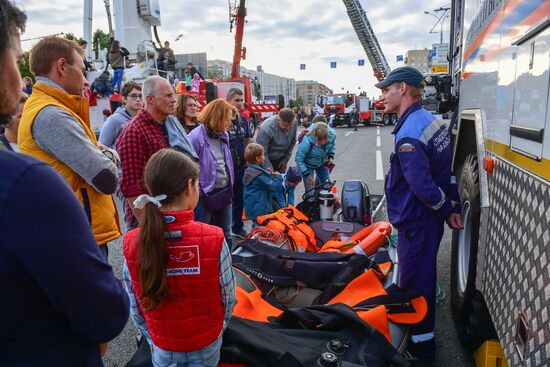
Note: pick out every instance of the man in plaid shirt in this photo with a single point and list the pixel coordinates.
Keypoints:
(145, 135)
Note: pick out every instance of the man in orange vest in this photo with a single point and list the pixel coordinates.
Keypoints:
(55, 128)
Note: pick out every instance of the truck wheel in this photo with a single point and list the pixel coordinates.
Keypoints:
(393, 119)
(386, 119)
(252, 126)
(470, 314)
(348, 123)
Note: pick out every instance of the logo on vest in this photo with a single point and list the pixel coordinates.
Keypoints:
(183, 260)
(406, 148)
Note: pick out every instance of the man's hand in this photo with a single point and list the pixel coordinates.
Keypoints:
(282, 167)
(454, 221)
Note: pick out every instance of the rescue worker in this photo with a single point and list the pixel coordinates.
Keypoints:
(421, 195)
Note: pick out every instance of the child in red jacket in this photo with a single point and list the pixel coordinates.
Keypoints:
(180, 269)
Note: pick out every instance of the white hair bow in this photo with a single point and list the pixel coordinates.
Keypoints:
(144, 199)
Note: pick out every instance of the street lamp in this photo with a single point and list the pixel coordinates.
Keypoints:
(440, 19)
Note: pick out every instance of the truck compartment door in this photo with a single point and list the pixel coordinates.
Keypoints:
(531, 91)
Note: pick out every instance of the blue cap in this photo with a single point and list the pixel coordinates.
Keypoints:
(404, 74)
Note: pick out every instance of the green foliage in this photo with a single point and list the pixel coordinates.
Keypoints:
(299, 102)
(214, 74)
(100, 40)
(25, 68)
(364, 94)
(294, 103)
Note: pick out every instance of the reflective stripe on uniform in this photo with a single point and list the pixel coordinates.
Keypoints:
(441, 202)
(358, 250)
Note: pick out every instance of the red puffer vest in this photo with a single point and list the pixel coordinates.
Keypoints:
(193, 317)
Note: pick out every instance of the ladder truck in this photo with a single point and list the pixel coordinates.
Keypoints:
(380, 66)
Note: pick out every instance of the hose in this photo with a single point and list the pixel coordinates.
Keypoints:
(271, 237)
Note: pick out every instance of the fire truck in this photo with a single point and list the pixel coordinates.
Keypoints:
(341, 106)
(500, 285)
(212, 89)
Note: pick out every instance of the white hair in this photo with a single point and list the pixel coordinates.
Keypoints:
(151, 87)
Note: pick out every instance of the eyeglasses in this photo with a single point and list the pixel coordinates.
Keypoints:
(135, 96)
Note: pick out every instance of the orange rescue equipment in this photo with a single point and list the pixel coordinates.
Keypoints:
(365, 242)
(293, 223)
(250, 303)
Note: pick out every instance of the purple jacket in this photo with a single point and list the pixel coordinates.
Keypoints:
(207, 161)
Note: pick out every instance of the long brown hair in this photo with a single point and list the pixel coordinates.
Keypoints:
(166, 173)
(181, 106)
(115, 47)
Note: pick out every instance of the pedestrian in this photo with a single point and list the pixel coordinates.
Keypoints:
(314, 153)
(87, 65)
(331, 120)
(260, 185)
(284, 194)
(132, 100)
(278, 136)
(193, 70)
(187, 108)
(216, 179)
(101, 85)
(420, 195)
(116, 58)
(27, 88)
(8, 140)
(166, 57)
(53, 276)
(239, 137)
(188, 79)
(185, 287)
(151, 130)
(354, 118)
(55, 128)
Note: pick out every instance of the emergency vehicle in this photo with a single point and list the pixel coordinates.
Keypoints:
(500, 59)
(340, 105)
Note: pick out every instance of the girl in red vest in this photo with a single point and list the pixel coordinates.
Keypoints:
(179, 269)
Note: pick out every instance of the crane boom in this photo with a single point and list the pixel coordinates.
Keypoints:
(239, 17)
(368, 39)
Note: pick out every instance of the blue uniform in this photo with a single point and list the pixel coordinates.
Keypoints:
(419, 189)
(238, 135)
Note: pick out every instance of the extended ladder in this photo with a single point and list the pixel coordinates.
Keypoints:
(367, 38)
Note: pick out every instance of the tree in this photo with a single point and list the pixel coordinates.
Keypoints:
(24, 67)
(293, 103)
(215, 74)
(363, 94)
(299, 101)
(100, 40)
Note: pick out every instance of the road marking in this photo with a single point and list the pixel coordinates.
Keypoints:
(350, 132)
(379, 174)
(377, 130)
(377, 141)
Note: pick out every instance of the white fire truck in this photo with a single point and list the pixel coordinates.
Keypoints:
(500, 59)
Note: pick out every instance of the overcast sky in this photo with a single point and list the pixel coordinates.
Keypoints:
(279, 34)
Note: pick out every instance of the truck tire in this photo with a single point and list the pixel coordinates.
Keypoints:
(470, 314)
(252, 126)
(393, 119)
(386, 119)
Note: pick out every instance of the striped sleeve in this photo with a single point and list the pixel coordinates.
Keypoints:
(227, 283)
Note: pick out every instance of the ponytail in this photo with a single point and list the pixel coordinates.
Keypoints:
(166, 176)
(152, 259)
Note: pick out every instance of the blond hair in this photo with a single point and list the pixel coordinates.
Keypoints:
(320, 131)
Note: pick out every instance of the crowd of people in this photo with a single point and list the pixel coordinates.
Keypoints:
(186, 179)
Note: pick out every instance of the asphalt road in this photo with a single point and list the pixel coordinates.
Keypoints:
(360, 155)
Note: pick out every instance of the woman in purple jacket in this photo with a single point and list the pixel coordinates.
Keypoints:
(211, 142)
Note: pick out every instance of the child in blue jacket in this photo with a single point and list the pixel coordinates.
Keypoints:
(260, 184)
(285, 191)
(314, 152)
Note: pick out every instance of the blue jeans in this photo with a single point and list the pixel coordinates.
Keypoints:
(208, 356)
(117, 79)
(220, 218)
(238, 225)
(104, 252)
(322, 175)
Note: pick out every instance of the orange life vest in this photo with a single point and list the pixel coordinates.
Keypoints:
(365, 242)
(293, 223)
